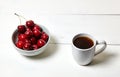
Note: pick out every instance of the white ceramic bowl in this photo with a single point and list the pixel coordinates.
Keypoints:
(30, 52)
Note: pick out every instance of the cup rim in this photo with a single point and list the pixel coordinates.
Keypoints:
(86, 35)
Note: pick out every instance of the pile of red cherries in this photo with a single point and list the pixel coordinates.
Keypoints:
(31, 36)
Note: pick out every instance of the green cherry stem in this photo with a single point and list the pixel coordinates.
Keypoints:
(19, 16)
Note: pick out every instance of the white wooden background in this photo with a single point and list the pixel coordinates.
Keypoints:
(64, 19)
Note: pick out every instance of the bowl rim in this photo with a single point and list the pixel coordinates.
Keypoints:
(44, 29)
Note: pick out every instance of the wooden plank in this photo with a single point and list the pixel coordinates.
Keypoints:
(64, 6)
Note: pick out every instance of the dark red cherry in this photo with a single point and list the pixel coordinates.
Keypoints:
(28, 29)
(42, 33)
(21, 28)
(20, 44)
(34, 47)
(27, 46)
(41, 43)
(27, 41)
(36, 33)
(44, 36)
(21, 37)
(33, 40)
(37, 27)
(30, 24)
(29, 33)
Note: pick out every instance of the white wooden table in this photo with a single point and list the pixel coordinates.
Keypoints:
(64, 19)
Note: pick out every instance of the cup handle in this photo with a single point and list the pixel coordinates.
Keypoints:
(103, 47)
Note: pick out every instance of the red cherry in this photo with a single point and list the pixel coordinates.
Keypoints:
(28, 29)
(41, 43)
(21, 28)
(20, 44)
(36, 33)
(44, 36)
(29, 33)
(27, 41)
(30, 24)
(34, 47)
(37, 27)
(33, 40)
(21, 37)
(43, 33)
(27, 46)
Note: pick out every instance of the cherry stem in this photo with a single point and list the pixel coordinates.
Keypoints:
(19, 17)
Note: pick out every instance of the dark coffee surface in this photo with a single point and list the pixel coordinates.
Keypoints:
(83, 42)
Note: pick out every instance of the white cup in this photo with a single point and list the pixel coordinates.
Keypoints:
(85, 56)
